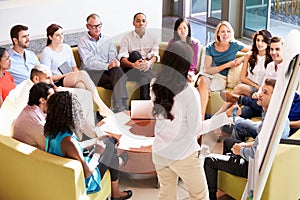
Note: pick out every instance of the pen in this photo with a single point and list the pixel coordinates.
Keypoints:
(234, 113)
(251, 195)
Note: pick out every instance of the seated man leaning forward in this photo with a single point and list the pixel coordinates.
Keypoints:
(138, 53)
(18, 97)
(29, 126)
(237, 163)
(99, 58)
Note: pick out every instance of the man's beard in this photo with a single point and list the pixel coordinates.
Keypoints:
(24, 45)
(140, 30)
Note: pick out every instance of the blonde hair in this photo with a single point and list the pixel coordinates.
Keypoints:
(228, 25)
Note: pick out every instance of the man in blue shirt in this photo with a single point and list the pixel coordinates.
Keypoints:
(22, 60)
(237, 163)
(99, 58)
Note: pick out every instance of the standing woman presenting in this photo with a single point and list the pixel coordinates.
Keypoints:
(175, 151)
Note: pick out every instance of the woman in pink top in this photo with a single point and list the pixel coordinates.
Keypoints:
(183, 32)
(6, 80)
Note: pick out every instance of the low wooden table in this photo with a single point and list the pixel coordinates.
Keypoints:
(139, 159)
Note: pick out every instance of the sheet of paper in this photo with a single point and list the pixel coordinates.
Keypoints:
(118, 118)
(128, 141)
(116, 123)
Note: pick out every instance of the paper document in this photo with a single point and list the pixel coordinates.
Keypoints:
(127, 141)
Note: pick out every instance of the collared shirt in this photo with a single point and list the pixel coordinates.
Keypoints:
(147, 45)
(177, 139)
(247, 152)
(271, 72)
(13, 105)
(29, 127)
(96, 55)
(21, 66)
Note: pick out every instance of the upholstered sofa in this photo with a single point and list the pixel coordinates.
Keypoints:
(214, 103)
(29, 173)
(283, 181)
(132, 86)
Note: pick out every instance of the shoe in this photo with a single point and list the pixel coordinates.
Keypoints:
(228, 96)
(124, 157)
(129, 194)
(118, 108)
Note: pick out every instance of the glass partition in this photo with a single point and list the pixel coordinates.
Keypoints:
(215, 9)
(256, 15)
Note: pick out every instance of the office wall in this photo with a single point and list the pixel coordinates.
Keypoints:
(116, 15)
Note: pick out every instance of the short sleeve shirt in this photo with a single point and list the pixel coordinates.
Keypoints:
(219, 58)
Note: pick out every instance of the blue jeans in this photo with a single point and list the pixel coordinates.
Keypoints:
(250, 108)
(244, 128)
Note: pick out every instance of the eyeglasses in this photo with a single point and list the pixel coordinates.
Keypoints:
(95, 26)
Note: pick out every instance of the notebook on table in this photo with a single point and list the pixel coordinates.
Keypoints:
(65, 68)
(141, 109)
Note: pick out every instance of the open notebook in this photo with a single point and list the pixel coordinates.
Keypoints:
(141, 109)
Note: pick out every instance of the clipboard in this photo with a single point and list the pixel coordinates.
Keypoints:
(65, 68)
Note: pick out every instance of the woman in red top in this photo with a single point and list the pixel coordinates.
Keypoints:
(6, 80)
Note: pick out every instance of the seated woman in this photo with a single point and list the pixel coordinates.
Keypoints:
(255, 64)
(183, 32)
(62, 130)
(6, 80)
(56, 55)
(220, 57)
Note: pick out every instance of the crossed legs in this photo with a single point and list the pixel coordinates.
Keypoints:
(82, 80)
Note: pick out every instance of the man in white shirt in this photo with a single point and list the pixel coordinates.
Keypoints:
(138, 52)
(250, 108)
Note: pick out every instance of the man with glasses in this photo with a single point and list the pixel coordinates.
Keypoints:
(138, 53)
(22, 60)
(99, 58)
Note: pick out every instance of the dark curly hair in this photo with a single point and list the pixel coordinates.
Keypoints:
(253, 58)
(177, 24)
(59, 114)
(175, 65)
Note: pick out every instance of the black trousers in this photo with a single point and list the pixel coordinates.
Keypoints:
(235, 165)
(109, 160)
(142, 78)
(113, 79)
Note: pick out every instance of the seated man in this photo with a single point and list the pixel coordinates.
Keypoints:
(18, 98)
(29, 126)
(250, 108)
(22, 59)
(98, 55)
(247, 128)
(237, 164)
(138, 53)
